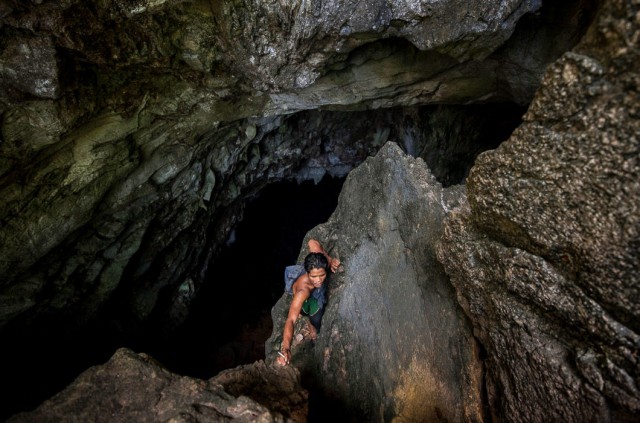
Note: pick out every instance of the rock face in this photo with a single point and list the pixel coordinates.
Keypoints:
(545, 257)
(133, 131)
(394, 342)
(133, 388)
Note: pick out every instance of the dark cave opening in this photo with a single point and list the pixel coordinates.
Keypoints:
(226, 328)
(231, 318)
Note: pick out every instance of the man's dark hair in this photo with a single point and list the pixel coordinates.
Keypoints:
(315, 261)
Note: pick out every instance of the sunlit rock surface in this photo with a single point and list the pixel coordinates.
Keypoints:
(394, 342)
(134, 388)
(545, 258)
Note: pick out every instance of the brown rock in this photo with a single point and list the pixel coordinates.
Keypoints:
(134, 388)
(546, 260)
(394, 343)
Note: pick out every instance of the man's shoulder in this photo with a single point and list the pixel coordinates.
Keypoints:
(303, 284)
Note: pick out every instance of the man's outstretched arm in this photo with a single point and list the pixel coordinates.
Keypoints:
(284, 355)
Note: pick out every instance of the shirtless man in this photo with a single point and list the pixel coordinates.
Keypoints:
(316, 265)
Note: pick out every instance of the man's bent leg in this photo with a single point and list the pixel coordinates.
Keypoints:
(316, 319)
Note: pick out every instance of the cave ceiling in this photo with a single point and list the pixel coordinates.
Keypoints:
(133, 130)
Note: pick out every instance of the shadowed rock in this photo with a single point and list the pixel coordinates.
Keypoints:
(545, 258)
(394, 342)
(134, 388)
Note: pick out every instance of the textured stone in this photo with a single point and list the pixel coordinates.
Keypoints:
(29, 64)
(133, 131)
(546, 258)
(314, 32)
(394, 343)
(28, 129)
(133, 387)
(274, 387)
(161, 117)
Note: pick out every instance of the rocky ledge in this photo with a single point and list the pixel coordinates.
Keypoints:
(134, 387)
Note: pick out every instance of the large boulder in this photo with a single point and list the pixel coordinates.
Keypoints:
(545, 257)
(394, 342)
(133, 387)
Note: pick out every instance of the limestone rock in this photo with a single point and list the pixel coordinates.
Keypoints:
(245, 58)
(275, 387)
(286, 45)
(394, 342)
(134, 388)
(133, 131)
(546, 259)
(28, 63)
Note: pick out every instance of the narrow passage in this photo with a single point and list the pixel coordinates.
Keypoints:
(229, 323)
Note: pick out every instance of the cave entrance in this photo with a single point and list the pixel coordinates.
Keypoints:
(231, 318)
(229, 322)
(227, 327)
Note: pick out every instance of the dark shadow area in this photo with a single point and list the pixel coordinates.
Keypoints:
(37, 364)
(231, 317)
(450, 138)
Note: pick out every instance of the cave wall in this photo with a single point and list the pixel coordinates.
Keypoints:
(545, 257)
(133, 130)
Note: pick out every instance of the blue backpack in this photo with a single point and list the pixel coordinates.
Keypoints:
(291, 274)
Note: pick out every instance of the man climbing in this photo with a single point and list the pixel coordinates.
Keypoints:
(308, 292)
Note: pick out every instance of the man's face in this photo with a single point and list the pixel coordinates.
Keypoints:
(317, 277)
